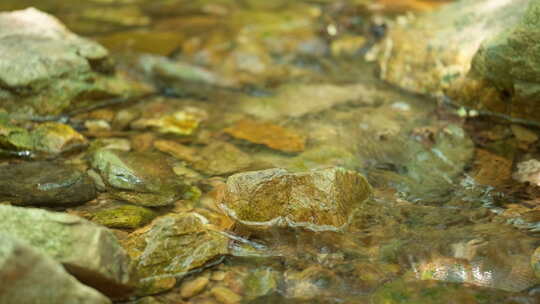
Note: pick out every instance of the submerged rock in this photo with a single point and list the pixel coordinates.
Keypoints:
(45, 69)
(30, 276)
(290, 100)
(89, 252)
(48, 138)
(183, 122)
(171, 247)
(428, 292)
(45, 183)
(142, 178)
(127, 216)
(323, 199)
(221, 158)
(270, 135)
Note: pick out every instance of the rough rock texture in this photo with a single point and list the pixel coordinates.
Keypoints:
(268, 134)
(171, 247)
(45, 183)
(142, 178)
(49, 138)
(316, 200)
(30, 277)
(535, 262)
(221, 158)
(510, 64)
(44, 66)
(89, 252)
(128, 217)
(483, 54)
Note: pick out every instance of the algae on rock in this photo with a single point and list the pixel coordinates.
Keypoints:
(142, 178)
(318, 200)
(171, 247)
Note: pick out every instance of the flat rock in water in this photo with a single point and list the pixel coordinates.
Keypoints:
(142, 178)
(49, 65)
(270, 135)
(89, 252)
(221, 158)
(317, 200)
(45, 183)
(171, 247)
(29, 276)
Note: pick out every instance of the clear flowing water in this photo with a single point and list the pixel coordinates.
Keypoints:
(434, 231)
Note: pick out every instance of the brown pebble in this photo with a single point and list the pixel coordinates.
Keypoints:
(193, 287)
(218, 276)
(225, 295)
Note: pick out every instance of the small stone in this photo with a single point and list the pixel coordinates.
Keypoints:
(225, 296)
(218, 276)
(268, 134)
(523, 134)
(142, 178)
(49, 138)
(221, 158)
(193, 287)
(528, 171)
(127, 217)
(183, 122)
(176, 150)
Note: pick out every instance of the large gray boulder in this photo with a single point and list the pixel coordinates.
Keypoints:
(317, 200)
(29, 276)
(88, 251)
(44, 67)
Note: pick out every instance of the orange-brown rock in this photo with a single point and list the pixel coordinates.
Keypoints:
(268, 134)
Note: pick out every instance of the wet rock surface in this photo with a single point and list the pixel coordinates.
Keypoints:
(89, 252)
(485, 69)
(142, 178)
(45, 139)
(128, 217)
(317, 200)
(45, 183)
(172, 246)
(45, 67)
(23, 268)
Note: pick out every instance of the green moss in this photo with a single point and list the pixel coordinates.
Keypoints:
(128, 217)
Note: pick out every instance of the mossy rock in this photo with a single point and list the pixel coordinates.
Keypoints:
(124, 217)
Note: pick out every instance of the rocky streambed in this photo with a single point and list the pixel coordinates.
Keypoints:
(366, 151)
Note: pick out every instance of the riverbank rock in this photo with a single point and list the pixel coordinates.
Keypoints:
(481, 54)
(142, 178)
(317, 200)
(29, 276)
(45, 183)
(89, 252)
(170, 247)
(46, 69)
